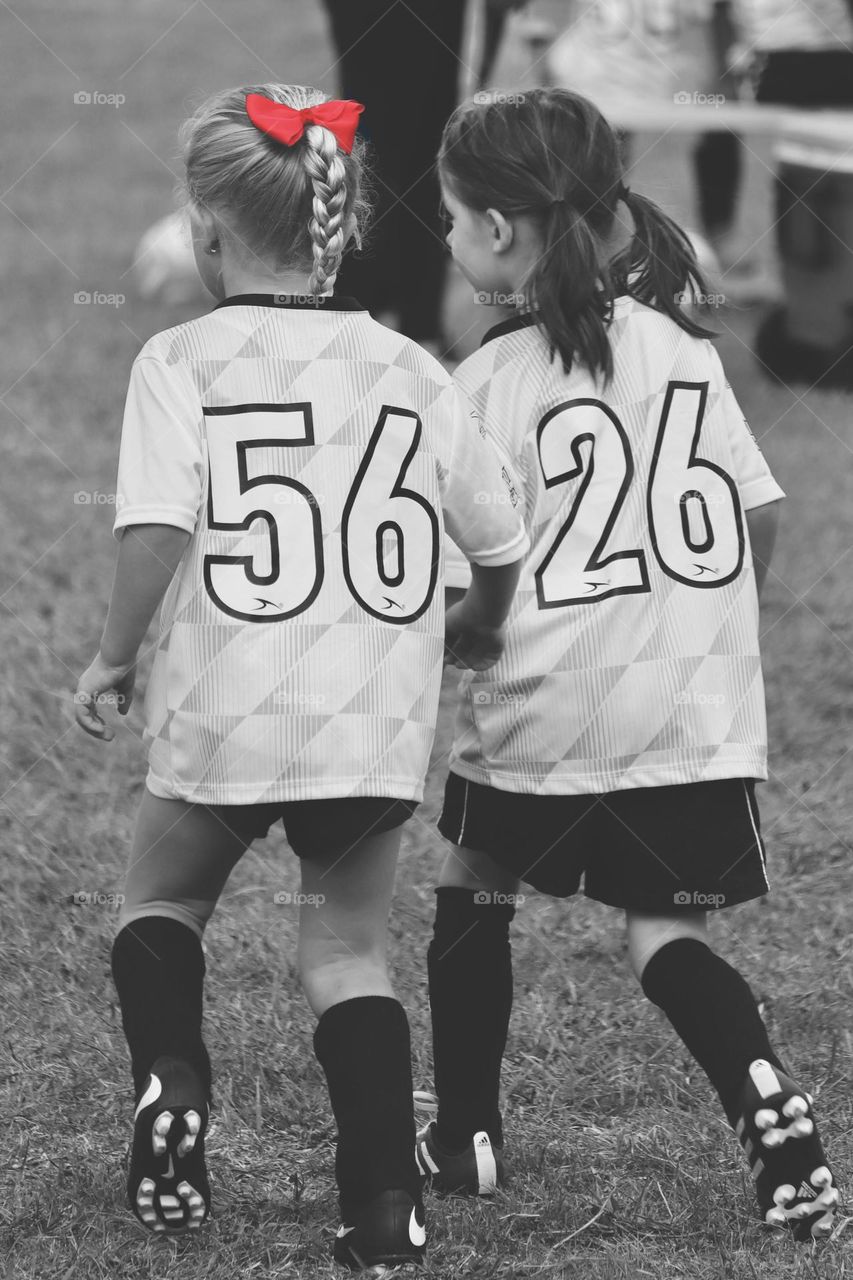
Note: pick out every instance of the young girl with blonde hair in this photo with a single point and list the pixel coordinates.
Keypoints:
(285, 462)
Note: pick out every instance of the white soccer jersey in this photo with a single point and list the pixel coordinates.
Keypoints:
(632, 657)
(309, 451)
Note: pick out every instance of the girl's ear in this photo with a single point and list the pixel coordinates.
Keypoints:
(502, 233)
(205, 229)
(351, 230)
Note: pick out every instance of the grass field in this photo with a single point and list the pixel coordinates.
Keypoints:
(623, 1166)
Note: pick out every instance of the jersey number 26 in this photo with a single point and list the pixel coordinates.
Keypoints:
(692, 506)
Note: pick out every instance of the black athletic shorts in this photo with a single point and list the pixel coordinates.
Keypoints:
(695, 846)
(318, 826)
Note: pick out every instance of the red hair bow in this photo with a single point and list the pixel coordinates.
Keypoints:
(287, 124)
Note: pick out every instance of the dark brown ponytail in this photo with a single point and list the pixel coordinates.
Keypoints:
(550, 155)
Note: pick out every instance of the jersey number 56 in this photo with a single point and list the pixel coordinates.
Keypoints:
(389, 533)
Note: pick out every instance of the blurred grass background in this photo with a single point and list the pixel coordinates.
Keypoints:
(623, 1166)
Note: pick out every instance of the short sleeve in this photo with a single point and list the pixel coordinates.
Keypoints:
(752, 475)
(480, 499)
(160, 473)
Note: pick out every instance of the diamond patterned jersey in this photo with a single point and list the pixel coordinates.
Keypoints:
(315, 458)
(632, 657)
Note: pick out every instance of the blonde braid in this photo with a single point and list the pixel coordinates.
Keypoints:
(328, 177)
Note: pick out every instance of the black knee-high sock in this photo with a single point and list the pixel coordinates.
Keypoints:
(364, 1049)
(470, 993)
(713, 1010)
(158, 969)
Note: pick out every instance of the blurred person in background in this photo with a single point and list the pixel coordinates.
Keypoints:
(403, 61)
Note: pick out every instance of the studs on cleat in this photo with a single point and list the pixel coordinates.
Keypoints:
(765, 1118)
(192, 1123)
(795, 1107)
(784, 1195)
(821, 1177)
(160, 1132)
(776, 1218)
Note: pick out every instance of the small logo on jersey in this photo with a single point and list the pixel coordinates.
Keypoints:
(266, 604)
(392, 604)
(417, 1233)
(593, 586)
(703, 568)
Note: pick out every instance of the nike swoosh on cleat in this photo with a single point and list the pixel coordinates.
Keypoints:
(344, 1231)
(151, 1094)
(170, 1171)
(417, 1233)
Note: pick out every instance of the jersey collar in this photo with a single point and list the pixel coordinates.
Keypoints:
(520, 321)
(291, 302)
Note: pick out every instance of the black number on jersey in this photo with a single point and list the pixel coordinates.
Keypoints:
(389, 533)
(693, 509)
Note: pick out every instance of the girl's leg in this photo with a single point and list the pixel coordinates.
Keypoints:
(362, 1040)
(181, 857)
(469, 964)
(715, 1013)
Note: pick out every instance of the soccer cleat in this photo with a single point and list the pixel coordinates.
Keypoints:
(478, 1170)
(388, 1232)
(777, 1131)
(167, 1186)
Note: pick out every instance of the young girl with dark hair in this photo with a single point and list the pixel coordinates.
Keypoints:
(620, 735)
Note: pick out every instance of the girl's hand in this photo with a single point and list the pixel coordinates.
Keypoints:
(470, 643)
(96, 681)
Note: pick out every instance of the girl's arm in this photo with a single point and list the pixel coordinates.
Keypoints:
(474, 628)
(147, 559)
(762, 523)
